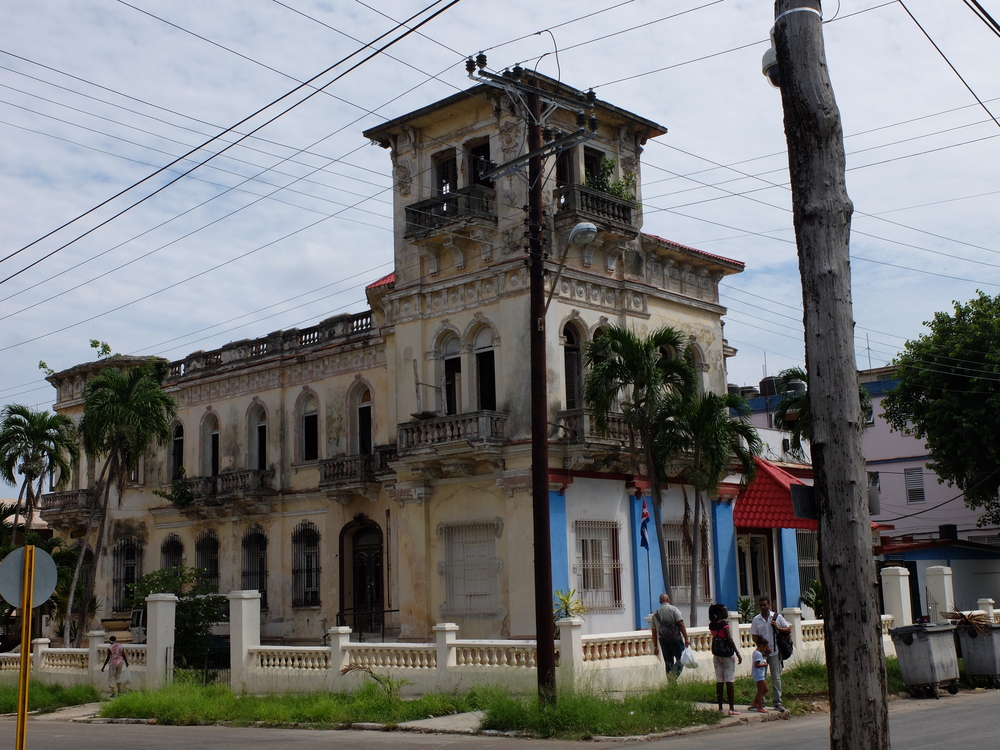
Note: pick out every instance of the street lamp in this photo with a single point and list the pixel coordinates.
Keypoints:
(579, 236)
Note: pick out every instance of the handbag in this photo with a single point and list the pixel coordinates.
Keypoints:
(783, 643)
(721, 646)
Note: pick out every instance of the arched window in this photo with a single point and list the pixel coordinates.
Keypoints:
(309, 429)
(177, 452)
(573, 365)
(452, 360)
(171, 552)
(257, 438)
(305, 565)
(210, 446)
(206, 552)
(127, 564)
(255, 562)
(486, 370)
(363, 426)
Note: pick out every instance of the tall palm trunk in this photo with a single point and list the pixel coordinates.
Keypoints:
(654, 491)
(17, 512)
(88, 591)
(79, 566)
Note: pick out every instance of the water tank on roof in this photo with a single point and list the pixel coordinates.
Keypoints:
(769, 386)
(796, 385)
(733, 388)
(748, 391)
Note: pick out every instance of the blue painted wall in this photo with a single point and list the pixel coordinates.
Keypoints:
(724, 544)
(788, 568)
(559, 539)
(647, 575)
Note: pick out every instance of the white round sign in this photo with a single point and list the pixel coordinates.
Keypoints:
(12, 577)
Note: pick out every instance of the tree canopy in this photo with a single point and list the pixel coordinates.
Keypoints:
(949, 395)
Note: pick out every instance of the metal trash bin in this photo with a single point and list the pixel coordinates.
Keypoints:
(927, 657)
(981, 651)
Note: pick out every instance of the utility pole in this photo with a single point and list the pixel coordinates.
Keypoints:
(822, 217)
(529, 95)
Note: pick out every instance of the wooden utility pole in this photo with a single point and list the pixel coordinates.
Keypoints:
(822, 216)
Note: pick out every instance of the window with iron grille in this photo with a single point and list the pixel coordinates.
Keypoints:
(255, 562)
(914, 479)
(171, 552)
(206, 551)
(806, 542)
(305, 565)
(127, 564)
(598, 564)
(679, 566)
(471, 569)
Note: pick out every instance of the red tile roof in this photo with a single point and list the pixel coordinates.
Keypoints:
(767, 502)
(387, 280)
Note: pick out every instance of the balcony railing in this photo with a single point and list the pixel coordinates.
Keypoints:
(578, 426)
(221, 486)
(69, 500)
(474, 202)
(480, 427)
(358, 468)
(597, 206)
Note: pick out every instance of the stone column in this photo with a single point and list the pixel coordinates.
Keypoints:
(39, 645)
(445, 634)
(986, 605)
(161, 616)
(244, 634)
(570, 651)
(896, 595)
(94, 640)
(793, 616)
(339, 636)
(940, 592)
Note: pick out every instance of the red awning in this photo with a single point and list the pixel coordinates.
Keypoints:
(767, 502)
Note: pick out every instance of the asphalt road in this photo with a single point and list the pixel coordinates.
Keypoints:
(966, 720)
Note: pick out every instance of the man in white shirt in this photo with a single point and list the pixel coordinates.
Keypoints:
(764, 625)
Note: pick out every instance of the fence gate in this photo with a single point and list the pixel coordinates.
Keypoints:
(203, 661)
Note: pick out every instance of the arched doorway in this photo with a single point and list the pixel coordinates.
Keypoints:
(361, 581)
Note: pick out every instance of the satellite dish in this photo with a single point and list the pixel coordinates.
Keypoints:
(12, 577)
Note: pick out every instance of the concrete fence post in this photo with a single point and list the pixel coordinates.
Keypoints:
(340, 657)
(986, 605)
(94, 640)
(38, 648)
(445, 634)
(940, 592)
(244, 634)
(896, 595)
(793, 616)
(570, 650)
(161, 618)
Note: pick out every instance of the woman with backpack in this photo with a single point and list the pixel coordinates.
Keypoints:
(725, 655)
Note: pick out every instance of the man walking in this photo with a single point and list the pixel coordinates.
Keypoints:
(669, 635)
(764, 625)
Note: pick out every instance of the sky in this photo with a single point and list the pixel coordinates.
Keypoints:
(287, 225)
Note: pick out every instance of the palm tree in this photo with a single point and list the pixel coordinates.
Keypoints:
(125, 411)
(792, 412)
(35, 444)
(700, 436)
(634, 375)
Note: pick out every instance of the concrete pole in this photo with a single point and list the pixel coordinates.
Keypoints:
(161, 617)
(244, 634)
(896, 595)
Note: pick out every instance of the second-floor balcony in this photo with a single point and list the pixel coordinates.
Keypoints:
(68, 509)
(475, 204)
(357, 468)
(579, 426)
(581, 203)
(231, 486)
(452, 433)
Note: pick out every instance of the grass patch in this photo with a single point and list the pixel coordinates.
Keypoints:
(47, 697)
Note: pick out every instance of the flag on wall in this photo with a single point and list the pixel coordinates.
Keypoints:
(643, 529)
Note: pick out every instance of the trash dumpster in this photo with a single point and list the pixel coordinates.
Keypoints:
(927, 658)
(980, 646)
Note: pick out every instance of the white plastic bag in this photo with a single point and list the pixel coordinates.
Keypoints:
(126, 676)
(689, 659)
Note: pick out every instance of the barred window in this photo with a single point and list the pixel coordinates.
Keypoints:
(914, 479)
(679, 564)
(127, 563)
(598, 564)
(255, 562)
(807, 543)
(305, 565)
(171, 552)
(471, 569)
(206, 551)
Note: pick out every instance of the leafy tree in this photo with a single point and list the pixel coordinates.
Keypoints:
(125, 411)
(792, 412)
(949, 395)
(701, 436)
(35, 444)
(634, 375)
(199, 604)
